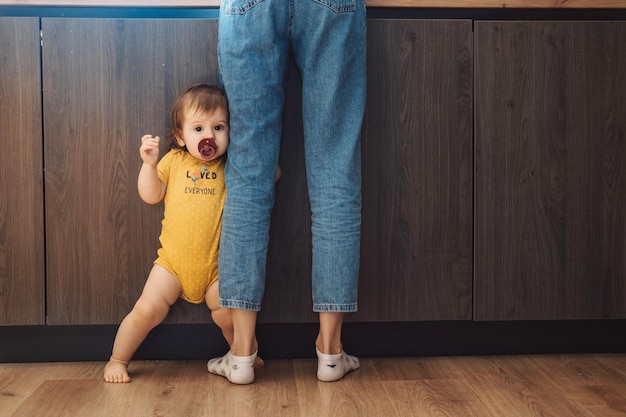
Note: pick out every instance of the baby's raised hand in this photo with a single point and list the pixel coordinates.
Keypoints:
(149, 150)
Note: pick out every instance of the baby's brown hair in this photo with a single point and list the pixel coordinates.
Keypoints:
(203, 98)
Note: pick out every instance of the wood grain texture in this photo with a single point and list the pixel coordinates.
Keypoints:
(108, 82)
(416, 246)
(360, 393)
(415, 258)
(592, 385)
(550, 170)
(557, 4)
(22, 275)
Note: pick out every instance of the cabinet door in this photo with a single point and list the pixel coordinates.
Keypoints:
(416, 246)
(550, 170)
(416, 249)
(107, 83)
(22, 296)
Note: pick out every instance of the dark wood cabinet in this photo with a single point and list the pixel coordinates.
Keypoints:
(550, 189)
(494, 179)
(22, 279)
(416, 257)
(109, 81)
(106, 83)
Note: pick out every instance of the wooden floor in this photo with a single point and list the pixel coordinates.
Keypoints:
(499, 386)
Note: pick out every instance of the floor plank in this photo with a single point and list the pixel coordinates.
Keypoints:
(435, 398)
(360, 393)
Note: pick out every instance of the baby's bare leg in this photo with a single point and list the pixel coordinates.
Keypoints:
(221, 316)
(161, 291)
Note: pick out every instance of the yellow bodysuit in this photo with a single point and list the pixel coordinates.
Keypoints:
(192, 221)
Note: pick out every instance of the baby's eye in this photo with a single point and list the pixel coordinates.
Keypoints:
(198, 128)
(219, 127)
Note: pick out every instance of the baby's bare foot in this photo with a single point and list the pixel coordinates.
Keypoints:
(258, 363)
(116, 371)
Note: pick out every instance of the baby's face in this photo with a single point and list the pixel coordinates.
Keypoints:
(205, 135)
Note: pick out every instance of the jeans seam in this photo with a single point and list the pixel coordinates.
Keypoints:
(337, 8)
(243, 9)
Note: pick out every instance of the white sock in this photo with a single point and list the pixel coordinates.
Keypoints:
(334, 367)
(237, 369)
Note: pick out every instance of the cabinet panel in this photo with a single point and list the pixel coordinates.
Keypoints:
(106, 83)
(22, 296)
(416, 249)
(417, 198)
(550, 170)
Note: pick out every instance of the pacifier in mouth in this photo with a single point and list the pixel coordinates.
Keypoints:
(207, 149)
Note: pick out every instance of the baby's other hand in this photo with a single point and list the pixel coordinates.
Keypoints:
(149, 150)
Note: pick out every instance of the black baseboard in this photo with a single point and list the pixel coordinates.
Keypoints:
(277, 341)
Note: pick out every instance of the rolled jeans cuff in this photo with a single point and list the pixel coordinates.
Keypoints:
(335, 308)
(240, 305)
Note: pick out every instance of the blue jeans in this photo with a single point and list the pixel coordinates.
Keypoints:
(327, 38)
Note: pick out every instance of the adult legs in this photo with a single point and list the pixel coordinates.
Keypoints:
(329, 46)
(253, 53)
(222, 317)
